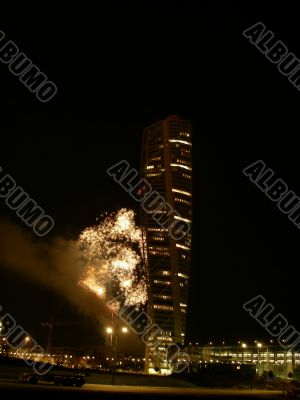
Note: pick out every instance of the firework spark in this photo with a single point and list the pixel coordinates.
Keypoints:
(113, 253)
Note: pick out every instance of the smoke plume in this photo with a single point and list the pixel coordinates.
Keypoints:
(58, 264)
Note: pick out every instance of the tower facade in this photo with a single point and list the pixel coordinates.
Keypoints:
(167, 167)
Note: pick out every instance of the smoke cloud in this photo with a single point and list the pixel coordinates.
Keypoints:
(58, 264)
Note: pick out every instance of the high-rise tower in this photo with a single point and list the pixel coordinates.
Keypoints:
(167, 166)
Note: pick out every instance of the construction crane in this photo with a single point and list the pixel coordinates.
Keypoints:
(50, 324)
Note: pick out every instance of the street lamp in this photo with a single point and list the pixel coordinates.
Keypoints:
(114, 345)
(27, 340)
(259, 346)
(244, 346)
(109, 330)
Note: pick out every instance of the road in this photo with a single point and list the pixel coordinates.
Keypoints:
(103, 392)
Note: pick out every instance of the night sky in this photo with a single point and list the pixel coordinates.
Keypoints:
(121, 67)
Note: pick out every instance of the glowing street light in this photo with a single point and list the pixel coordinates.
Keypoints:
(109, 330)
(259, 346)
(244, 347)
(114, 344)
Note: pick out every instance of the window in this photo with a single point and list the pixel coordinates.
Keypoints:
(182, 192)
(162, 307)
(161, 282)
(162, 296)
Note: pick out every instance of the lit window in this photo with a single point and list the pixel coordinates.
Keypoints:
(158, 248)
(184, 134)
(183, 219)
(159, 253)
(181, 246)
(180, 141)
(162, 307)
(187, 202)
(183, 275)
(162, 296)
(181, 166)
(184, 162)
(150, 175)
(155, 158)
(161, 282)
(182, 192)
(187, 176)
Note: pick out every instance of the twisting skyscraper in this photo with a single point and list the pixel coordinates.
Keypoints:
(167, 167)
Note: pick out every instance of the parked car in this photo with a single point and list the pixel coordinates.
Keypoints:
(27, 377)
(68, 380)
(56, 379)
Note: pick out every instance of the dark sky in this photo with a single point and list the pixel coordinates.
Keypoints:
(121, 67)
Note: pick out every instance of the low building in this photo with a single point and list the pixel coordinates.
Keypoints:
(265, 358)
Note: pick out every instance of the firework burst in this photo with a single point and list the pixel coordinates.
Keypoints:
(113, 252)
